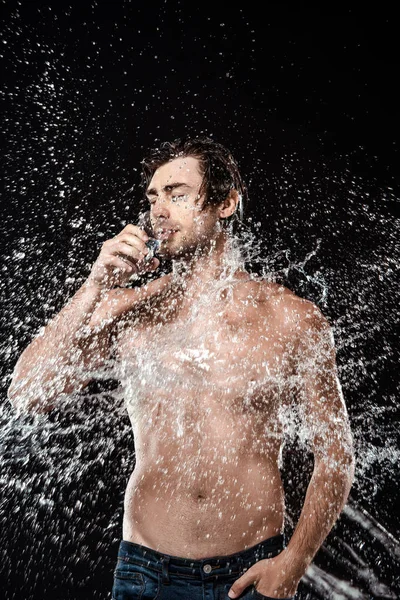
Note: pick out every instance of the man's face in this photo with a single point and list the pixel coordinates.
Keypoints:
(175, 205)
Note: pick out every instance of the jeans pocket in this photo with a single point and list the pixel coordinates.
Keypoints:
(245, 595)
(133, 582)
(261, 596)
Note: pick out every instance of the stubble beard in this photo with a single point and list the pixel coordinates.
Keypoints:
(187, 250)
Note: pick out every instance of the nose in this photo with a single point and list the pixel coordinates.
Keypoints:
(160, 208)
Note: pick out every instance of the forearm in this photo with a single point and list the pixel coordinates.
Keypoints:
(44, 369)
(326, 496)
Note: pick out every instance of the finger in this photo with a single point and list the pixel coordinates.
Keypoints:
(137, 252)
(249, 578)
(136, 231)
(130, 238)
(120, 263)
(152, 265)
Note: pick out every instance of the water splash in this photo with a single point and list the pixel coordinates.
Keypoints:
(326, 235)
(41, 454)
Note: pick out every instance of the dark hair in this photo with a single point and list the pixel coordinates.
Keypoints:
(218, 167)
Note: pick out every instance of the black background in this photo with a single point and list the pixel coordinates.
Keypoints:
(307, 100)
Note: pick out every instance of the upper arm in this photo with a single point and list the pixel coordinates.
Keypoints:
(97, 339)
(319, 392)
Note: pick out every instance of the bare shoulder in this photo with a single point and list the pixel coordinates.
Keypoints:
(306, 326)
(270, 294)
(297, 315)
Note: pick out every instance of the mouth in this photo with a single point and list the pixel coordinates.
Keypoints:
(163, 234)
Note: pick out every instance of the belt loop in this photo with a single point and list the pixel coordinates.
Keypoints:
(259, 553)
(165, 573)
(240, 561)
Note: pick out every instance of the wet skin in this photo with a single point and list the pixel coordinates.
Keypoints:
(211, 361)
(205, 421)
(208, 357)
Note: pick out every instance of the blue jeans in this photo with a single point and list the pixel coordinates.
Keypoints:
(145, 574)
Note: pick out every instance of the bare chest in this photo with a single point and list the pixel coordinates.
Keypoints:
(217, 364)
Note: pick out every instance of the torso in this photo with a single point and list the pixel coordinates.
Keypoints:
(204, 386)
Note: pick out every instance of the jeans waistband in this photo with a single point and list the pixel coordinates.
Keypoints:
(205, 568)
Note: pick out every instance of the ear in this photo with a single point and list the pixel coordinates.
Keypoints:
(229, 205)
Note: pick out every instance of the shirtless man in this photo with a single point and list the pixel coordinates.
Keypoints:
(212, 359)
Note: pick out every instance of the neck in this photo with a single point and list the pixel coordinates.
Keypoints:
(220, 260)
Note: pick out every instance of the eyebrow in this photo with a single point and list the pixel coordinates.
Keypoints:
(167, 188)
